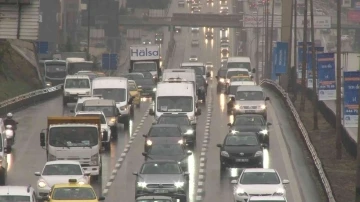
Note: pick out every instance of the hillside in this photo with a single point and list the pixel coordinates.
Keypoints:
(17, 75)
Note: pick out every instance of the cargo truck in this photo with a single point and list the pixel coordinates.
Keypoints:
(145, 58)
(76, 139)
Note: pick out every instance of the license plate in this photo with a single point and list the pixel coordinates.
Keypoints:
(242, 160)
(161, 191)
(249, 111)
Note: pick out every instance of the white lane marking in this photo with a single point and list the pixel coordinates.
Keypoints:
(205, 143)
(123, 154)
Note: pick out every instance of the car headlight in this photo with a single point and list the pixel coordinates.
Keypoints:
(154, 89)
(237, 106)
(262, 106)
(112, 121)
(241, 192)
(279, 192)
(181, 141)
(179, 184)
(123, 108)
(139, 86)
(42, 184)
(264, 132)
(222, 80)
(258, 153)
(48, 84)
(189, 132)
(142, 184)
(149, 142)
(224, 153)
(94, 160)
(227, 80)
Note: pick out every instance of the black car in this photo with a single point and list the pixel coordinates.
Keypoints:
(221, 75)
(202, 87)
(241, 149)
(252, 123)
(169, 151)
(163, 133)
(144, 81)
(182, 120)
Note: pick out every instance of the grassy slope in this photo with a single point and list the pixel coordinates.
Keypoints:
(17, 75)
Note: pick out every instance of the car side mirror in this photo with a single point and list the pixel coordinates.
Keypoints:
(219, 145)
(72, 111)
(253, 70)
(87, 173)
(37, 174)
(144, 154)
(285, 181)
(269, 124)
(151, 112)
(42, 139)
(233, 182)
(267, 99)
(229, 124)
(101, 198)
(144, 135)
(198, 112)
(208, 74)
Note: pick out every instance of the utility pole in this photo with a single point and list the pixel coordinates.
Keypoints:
(88, 29)
(271, 36)
(267, 69)
(338, 82)
(257, 47)
(289, 70)
(304, 60)
(314, 67)
(294, 82)
(357, 191)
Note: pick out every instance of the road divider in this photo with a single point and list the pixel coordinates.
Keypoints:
(320, 171)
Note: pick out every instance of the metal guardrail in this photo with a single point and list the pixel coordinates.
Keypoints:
(28, 99)
(304, 133)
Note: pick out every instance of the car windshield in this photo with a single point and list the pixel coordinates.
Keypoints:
(161, 168)
(236, 73)
(178, 120)
(240, 78)
(145, 82)
(62, 169)
(259, 178)
(144, 67)
(249, 95)
(109, 111)
(55, 69)
(241, 140)
(166, 150)
(198, 70)
(73, 193)
(14, 198)
(245, 65)
(117, 94)
(77, 83)
(102, 118)
(73, 136)
(222, 73)
(249, 121)
(175, 104)
(164, 132)
(78, 107)
(232, 90)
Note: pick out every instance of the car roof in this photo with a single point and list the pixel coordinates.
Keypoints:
(62, 162)
(249, 88)
(16, 190)
(259, 170)
(268, 198)
(64, 185)
(83, 99)
(165, 126)
(77, 76)
(237, 69)
(160, 161)
(154, 197)
(99, 102)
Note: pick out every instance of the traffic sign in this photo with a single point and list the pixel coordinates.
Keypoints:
(42, 47)
(109, 61)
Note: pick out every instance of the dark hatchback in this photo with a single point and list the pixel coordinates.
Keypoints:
(163, 133)
(169, 151)
(241, 150)
(182, 120)
(252, 123)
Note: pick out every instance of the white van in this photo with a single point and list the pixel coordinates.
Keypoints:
(75, 86)
(198, 67)
(175, 98)
(231, 91)
(250, 100)
(187, 74)
(116, 88)
(240, 62)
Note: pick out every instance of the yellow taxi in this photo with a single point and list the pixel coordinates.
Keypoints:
(135, 92)
(72, 192)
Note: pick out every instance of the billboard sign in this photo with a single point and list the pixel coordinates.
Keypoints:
(353, 16)
(351, 98)
(320, 22)
(282, 50)
(274, 61)
(253, 21)
(326, 76)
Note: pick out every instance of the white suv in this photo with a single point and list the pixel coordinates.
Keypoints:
(17, 193)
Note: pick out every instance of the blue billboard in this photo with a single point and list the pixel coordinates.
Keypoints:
(109, 61)
(351, 98)
(282, 51)
(326, 76)
(274, 61)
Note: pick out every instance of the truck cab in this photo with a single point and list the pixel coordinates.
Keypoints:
(74, 138)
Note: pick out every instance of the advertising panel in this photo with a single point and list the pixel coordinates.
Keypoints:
(326, 76)
(351, 98)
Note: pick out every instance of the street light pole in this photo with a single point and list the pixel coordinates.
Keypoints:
(338, 83)
(88, 30)
(314, 67)
(257, 47)
(304, 60)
